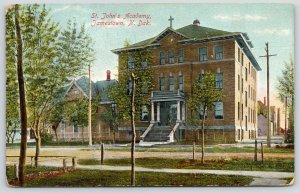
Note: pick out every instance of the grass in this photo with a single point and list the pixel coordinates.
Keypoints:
(286, 165)
(52, 143)
(92, 178)
(198, 149)
(29, 170)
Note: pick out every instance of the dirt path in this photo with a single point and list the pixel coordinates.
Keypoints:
(84, 153)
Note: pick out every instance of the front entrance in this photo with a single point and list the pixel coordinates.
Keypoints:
(168, 113)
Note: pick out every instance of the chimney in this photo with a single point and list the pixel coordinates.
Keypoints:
(196, 22)
(265, 101)
(108, 75)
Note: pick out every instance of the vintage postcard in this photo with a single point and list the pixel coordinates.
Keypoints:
(149, 95)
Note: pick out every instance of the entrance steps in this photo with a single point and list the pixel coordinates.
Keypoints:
(158, 134)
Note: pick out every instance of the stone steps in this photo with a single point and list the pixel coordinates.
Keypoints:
(159, 134)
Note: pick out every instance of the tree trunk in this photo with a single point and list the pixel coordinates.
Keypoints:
(82, 134)
(54, 128)
(194, 150)
(37, 143)
(37, 150)
(23, 113)
(133, 131)
(202, 149)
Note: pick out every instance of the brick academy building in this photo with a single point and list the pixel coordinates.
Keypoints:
(180, 57)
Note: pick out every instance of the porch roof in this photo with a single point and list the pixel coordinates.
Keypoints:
(157, 96)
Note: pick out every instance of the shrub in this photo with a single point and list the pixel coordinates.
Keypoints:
(46, 137)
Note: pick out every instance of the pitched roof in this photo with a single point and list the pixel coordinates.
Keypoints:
(187, 32)
(100, 87)
(199, 32)
(83, 84)
(196, 34)
(103, 87)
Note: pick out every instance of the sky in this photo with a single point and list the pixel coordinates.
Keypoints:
(273, 23)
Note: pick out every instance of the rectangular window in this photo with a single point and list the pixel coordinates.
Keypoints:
(202, 54)
(246, 73)
(246, 122)
(239, 54)
(180, 82)
(242, 59)
(201, 76)
(242, 111)
(219, 52)
(162, 58)
(246, 97)
(171, 56)
(239, 82)
(201, 114)
(242, 84)
(171, 83)
(219, 80)
(76, 128)
(218, 110)
(161, 83)
(130, 63)
(129, 86)
(144, 64)
(144, 113)
(249, 68)
(238, 110)
(180, 55)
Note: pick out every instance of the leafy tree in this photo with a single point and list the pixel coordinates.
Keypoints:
(12, 95)
(51, 58)
(286, 88)
(77, 112)
(56, 116)
(111, 117)
(14, 51)
(202, 100)
(132, 91)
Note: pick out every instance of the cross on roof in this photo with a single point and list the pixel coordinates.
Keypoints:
(171, 19)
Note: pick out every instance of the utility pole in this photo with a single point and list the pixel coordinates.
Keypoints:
(268, 94)
(90, 109)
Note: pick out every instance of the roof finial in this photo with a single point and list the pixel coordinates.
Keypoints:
(196, 22)
(171, 19)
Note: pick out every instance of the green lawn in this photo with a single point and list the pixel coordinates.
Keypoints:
(29, 170)
(286, 165)
(53, 143)
(198, 149)
(90, 178)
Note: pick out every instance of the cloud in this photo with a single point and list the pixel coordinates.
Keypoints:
(235, 17)
(255, 18)
(239, 17)
(279, 32)
(65, 8)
